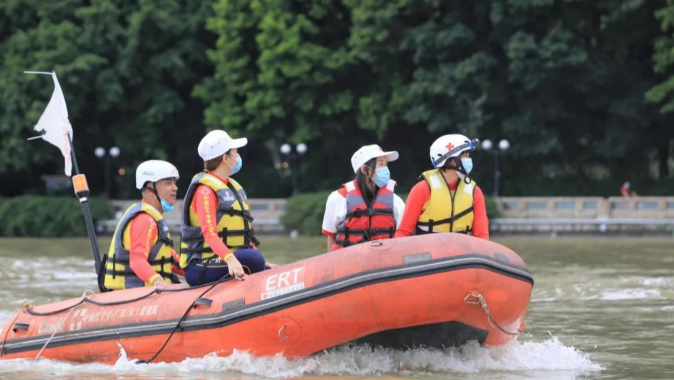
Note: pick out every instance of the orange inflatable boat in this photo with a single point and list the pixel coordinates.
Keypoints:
(430, 290)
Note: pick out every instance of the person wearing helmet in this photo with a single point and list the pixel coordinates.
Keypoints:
(217, 229)
(366, 208)
(446, 199)
(141, 252)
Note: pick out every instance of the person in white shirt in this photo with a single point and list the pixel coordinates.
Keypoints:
(366, 208)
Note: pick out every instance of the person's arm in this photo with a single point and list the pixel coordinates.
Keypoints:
(331, 217)
(331, 242)
(143, 231)
(175, 268)
(205, 203)
(480, 220)
(418, 197)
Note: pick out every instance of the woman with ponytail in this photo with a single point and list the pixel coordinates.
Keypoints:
(366, 208)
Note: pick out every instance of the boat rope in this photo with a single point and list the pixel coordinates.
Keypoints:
(114, 303)
(84, 296)
(193, 305)
(482, 302)
(28, 308)
(282, 338)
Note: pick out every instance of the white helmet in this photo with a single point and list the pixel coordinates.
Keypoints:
(449, 146)
(153, 171)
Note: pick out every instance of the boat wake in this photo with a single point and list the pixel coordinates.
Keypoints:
(549, 355)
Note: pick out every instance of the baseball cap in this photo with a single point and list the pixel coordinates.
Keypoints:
(217, 143)
(369, 152)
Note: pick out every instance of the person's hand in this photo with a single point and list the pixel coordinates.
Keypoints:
(159, 283)
(235, 268)
(269, 265)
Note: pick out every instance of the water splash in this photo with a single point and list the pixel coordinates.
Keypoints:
(549, 355)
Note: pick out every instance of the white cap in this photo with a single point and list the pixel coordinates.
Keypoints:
(153, 171)
(217, 143)
(369, 152)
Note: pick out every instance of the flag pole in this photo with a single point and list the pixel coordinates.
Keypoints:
(82, 192)
(79, 180)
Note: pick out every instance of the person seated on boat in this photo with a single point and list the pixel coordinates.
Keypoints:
(141, 252)
(366, 208)
(446, 199)
(218, 239)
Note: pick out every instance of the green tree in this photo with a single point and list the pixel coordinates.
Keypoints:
(661, 94)
(127, 69)
(563, 80)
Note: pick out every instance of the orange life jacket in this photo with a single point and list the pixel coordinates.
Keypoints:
(363, 223)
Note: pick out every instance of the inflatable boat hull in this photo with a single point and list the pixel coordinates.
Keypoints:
(431, 290)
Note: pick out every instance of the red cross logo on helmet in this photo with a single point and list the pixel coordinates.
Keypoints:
(450, 146)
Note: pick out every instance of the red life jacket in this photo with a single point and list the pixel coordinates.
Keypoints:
(363, 223)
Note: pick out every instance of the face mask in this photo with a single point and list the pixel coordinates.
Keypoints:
(239, 164)
(383, 176)
(167, 207)
(467, 164)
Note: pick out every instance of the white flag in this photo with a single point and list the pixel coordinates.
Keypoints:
(55, 124)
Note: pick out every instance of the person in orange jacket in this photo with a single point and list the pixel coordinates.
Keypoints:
(626, 190)
(141, 252)
(218, 239)
(446, 199)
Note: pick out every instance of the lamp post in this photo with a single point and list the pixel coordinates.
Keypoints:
(114, 152)
(503, 145)
(294, 158)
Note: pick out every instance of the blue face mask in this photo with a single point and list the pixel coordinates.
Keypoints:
(467, 164)
(239, 164)
(383, 176)
(167, 207)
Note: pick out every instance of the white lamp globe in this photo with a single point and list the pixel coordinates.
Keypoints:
(301, 148)
(114, 151)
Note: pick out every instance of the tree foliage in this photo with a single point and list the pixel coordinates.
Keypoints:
(564, 81)
(127, 69)
(579, 88)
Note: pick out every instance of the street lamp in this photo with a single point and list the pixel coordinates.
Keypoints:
(294, 158)
(114, 152)
(503, 145)
(301, 148)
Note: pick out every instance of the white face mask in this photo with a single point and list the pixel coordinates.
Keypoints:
(467, 164)
(237, 168)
